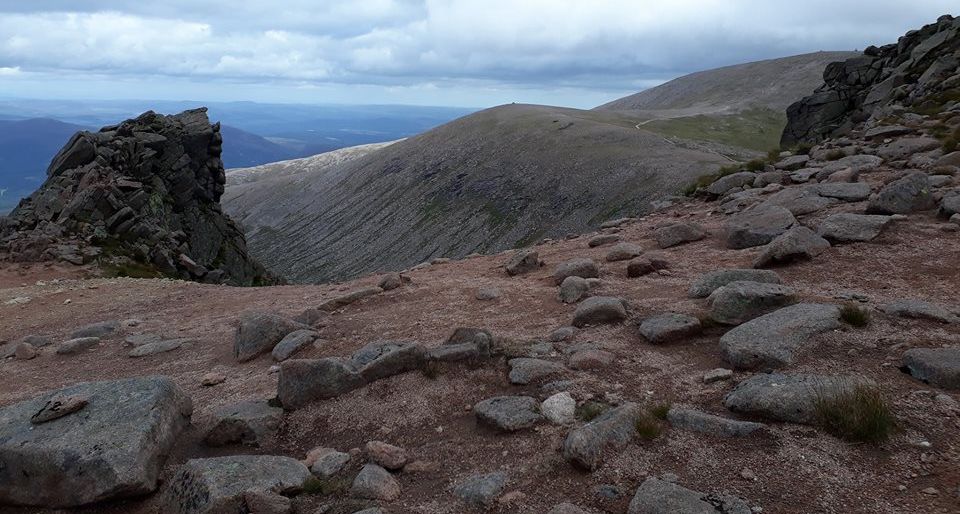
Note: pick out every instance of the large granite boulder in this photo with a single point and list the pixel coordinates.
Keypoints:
(585, 446)
(259, 332)
(710, 282)
(655, 496)
(738, 302)
(772, 340)
(798, 243)
(143, 194)
(792, 398)
(89, 442)
(938, 367)
(220, 485)
(757, 226)
(903, 196)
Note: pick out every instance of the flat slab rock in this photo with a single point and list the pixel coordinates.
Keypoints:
(757, 226)
(221, 484)
(599, 310)
(247, 422)
(772, 340)
(848, 227)
(697, 421)
(145, 350)
(795, 244)
(655, 496)
(292, 343)
(508, 413)
(714, 280)
(742, 301)
(524, 370)
(938, 367)
(669, 327)
(678, 233)
(792, 398)
(919, 309)
(585, 446)
(111, 448)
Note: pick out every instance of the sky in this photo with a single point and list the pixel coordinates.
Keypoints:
(470, 53)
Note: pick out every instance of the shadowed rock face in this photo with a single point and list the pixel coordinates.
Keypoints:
(920, 70)
(143, 193)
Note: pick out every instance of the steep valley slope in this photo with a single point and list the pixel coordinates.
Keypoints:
(501, 178)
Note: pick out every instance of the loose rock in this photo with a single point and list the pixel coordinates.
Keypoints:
(623, 252)
(259, 332)
(757, 226)
(678, 234)
(790, 398)
(480, 491)
(611, 431)
(939, 367)
(387, 455)
(508, 413)
(580, 267)
(797, 243)
(714, 280)
(525, 370)
(670, 327)
(77, 345)
(697, 421)
(656, 496)
(847, 227)
(524, 261)
(572, 289)
(599, 309)
(292, 343)
(560, 408)
(246, 422)
(738, 302)
(772, 340)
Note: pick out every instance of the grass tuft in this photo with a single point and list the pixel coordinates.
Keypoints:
(325, 486)
(949, 145)
(854, 315)
(648, 427)
(861, 415)
(590, 410)
(660, 411)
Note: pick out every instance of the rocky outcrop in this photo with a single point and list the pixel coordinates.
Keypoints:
(920, 71)
(142, 196)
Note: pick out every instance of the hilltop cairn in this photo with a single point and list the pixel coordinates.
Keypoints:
(919, 73)
(144, 195)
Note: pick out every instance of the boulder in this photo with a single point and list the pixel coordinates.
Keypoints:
(585, 446)
(950, 205)
(845, 191)
(572, 289)
(710, 282)
(678, 234)
(102, 330)
(245, 422)
(327, 462)
(791, 398)
(292, 343)
(903, 196)
(772, 340)
(792, 163)
(259, 332)
(598, 310)
(168, 345)
(738, 302)
(919, 309)
(603, 239)
(847, 227)
(525, 370)
(623, 252)
(800, 201)
(508, 413)
(646, 264)
(723, 185)
(387, 455)
(655, 496)
(579, 267)
(795, 244)
(904, 147)
(757, 226)
(390, 281)
(113, 447)
(349, 298)
(224, 484)
(481, 491)
(670, 327)
(77, 345)
(385, 359)
(559, 408)
(938, 367)
(375, 483)
(697, 421)
(303, 381)
(523, 261)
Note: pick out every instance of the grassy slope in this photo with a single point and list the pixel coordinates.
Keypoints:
(754, 129)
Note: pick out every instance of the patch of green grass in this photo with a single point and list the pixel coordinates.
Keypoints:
(325, 486)
(773, 155)
(756, 165)
(753, 129)
(803, 149)
(861, 415)
(590, 410)
(131, 270)
(854, 315)
(660, 410)
(648, 427)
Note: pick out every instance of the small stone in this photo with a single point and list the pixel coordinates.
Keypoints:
(212, 378)
(390, 281)
(481, 491)
(100, 330)
(670, 327)
(599, 310)
(747, 474)
(485, 294)
(375, 483)
(155, 348)
(77, 345)
(572, 289)
(508, 413)
(292, 343)
(525, 370)
(25, 351)
(560, 408)
(562, 334)
(585, 446)
(387, 455)
(326, 462)
(603, 239)
(932, 491)
(716, 375)
(590, 359)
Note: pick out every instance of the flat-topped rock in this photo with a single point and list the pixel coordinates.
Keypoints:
(849, 227)
(481, 491)
(710, 282)
(938, 367)
(623, 252)
(247, 422)
(793, 162)
(579, 267)
(113, 447)
(792, 398)
(845, 191)
(678, 233)
(800, 201)
(306, 380)
(738, 302)
(611, 431)
(77, 345)
(168, 345)
(222, 484)
(798, 243)
(525, 370)
(669, 327)
(757, 226)
(655, 496)
(292, 343)
(774, 339)
(920, 309)
(723, 185)
(102, 329)
(598, 310)
(697, 421)
(603, 239)
(908, 194)
(508, 413)
(904, 147)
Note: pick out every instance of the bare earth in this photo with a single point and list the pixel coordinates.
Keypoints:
(798, 469)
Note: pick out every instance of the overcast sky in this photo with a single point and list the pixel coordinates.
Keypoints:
(474, 53)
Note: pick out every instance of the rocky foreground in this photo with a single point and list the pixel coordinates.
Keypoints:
(686, 361)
